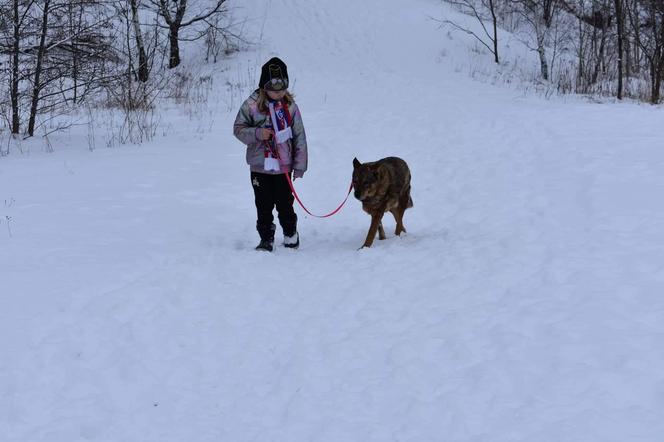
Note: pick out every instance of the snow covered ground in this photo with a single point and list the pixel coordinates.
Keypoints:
(526, 302)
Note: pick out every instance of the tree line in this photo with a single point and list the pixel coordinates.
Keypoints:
(56, 54)
(607, 46)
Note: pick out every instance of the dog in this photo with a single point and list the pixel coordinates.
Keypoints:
(382, 186)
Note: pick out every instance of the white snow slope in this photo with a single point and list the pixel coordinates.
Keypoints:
(526, 302)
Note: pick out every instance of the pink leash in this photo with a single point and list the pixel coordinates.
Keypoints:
(290, 183)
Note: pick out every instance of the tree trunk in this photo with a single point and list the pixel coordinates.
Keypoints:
(143, 73)
(660, 52)
(658, 70)
(627, 44)
(38, 70)
(543, 14)
(16, 122)
(656, 57)
(174, 59)
(544, 65)
(129, 105)
(495, 31)
(73, 30)
(581, 75)
(600, 56)
(654, 90)
(619, 17)
(637, 46)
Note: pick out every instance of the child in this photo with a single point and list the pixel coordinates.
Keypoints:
(269, 123)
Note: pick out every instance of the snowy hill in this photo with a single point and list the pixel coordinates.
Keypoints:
(524, 304)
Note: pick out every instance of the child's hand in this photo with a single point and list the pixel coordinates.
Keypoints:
(264, 134)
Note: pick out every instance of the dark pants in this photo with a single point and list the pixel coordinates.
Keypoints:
(271, 191)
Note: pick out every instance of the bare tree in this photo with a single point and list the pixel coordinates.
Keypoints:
(221, 36)
(36, 85)
(620, 25)
(19, 14)
(143, 71)
(647, 16)
(540, 15)
(483, 11)
(619, 44)
(56, 53)
(16, 21)
(173, 12)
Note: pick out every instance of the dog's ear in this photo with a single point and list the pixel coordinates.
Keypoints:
(356, 163)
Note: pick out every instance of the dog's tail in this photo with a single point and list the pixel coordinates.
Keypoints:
(409, 204)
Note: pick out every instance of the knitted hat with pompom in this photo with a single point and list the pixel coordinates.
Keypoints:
(274, 75)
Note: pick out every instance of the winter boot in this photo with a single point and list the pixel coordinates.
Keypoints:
(293, 241)
(267, 237)
(265, 245)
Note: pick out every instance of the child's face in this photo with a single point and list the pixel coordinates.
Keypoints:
(276, 95)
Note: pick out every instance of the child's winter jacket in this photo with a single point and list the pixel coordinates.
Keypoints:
(292, 153)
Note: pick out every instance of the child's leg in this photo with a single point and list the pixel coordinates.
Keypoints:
(284, 202)
(264, 199)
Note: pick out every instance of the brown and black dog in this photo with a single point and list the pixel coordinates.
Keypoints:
(382, 186)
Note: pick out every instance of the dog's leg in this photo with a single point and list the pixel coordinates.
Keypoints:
(375, 221)
(381, 231)
(404, 203)
(397, 217)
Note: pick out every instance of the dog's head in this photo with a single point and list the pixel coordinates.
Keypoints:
(366, 180)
